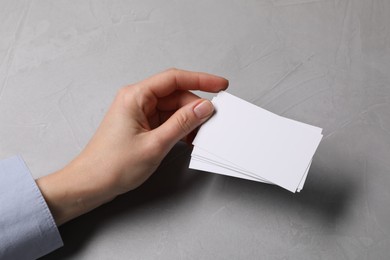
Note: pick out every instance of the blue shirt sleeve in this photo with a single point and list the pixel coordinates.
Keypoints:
(27, 228)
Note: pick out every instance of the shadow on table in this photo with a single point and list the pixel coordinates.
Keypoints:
(323, 199)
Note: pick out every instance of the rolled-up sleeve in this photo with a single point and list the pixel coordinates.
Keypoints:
(27, 228)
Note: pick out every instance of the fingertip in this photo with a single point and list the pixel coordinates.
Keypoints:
(226, 83)
(203, 109)
(184, 121)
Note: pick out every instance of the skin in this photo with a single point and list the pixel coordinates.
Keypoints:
(144, 122)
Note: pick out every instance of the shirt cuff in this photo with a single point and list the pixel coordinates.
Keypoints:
(27, 228)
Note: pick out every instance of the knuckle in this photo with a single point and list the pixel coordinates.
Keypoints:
(184, 123)
(172, 69)
(125, 95)
(123, 92)
(125, 89)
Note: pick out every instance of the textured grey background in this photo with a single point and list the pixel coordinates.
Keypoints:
(322, 62)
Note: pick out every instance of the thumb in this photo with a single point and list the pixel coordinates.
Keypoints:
(184, 121)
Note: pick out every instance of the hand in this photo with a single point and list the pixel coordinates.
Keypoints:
(144, 122)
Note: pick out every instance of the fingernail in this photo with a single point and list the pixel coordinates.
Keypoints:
(203, 109)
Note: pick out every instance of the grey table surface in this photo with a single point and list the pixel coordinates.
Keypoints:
(326, 63)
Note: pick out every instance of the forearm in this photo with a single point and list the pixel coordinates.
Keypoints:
(75, 190)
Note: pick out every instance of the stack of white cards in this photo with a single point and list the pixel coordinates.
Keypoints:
(246, 141)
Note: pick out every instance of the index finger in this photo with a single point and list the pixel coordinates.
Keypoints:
(166, 82)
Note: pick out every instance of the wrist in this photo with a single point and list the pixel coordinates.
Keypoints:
(74, 190)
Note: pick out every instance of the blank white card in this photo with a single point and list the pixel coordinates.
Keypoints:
(246, 141)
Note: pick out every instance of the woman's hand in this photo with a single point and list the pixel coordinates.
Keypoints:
(142, 125)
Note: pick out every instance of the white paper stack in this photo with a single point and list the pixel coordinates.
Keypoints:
(246, 141)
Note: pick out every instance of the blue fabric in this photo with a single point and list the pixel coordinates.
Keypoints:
(27, 228)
